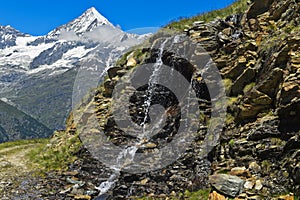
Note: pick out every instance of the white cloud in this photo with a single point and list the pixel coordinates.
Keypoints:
(69, 36)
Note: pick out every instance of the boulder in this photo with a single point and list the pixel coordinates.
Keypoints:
(270, 84)
(258, 185)
(227, 184)
(246, 77)
(233, 72)
(112, 72)
(131, 62)
(258, 7)
(254, 103)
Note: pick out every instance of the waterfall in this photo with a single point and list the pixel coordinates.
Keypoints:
(151, 87)
(127, 155)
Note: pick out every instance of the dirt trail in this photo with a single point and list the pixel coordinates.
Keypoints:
(13, 160)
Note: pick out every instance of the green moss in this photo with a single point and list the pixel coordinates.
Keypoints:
(266, 113)
(248, 87)
(237, 7)
(227, 84)
(266, 166)
(223, 171)
(200, 194)
(277, 142)
(231, 101)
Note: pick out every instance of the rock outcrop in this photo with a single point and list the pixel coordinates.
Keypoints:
(257, 54)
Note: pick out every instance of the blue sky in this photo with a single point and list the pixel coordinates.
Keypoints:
(39, 17)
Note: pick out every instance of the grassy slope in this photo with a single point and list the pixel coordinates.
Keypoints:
(238, 7)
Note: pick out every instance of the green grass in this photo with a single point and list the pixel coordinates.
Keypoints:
(237, 7)
(229, 119)
(123, 59)
(56, 155)
(200, 194)
(231, 143)
(266, 166)
(276, 37)
(21, 143)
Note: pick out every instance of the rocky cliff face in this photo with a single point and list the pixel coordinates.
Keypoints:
(257, 54)
(257, 154)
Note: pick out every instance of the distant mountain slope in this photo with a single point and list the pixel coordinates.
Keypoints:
(37, 73)
(15, 124)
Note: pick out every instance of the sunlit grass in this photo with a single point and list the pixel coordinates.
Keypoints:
(237, 7)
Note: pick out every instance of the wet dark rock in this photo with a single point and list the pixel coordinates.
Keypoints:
(292, 143)
(258, 7)
(113, 71)
(264, 130)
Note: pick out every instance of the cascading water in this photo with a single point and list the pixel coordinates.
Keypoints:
(152, 81)
(127, 155)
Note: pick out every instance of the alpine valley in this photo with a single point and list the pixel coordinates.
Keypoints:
(37, 73)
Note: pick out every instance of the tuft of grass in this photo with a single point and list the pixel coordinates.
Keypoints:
(123, 59)
(231, 143)
(239, 6)
(229, 119)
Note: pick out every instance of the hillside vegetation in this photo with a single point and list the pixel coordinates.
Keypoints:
(239, 6)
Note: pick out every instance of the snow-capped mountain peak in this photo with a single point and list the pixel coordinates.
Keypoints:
(37, 74)
(87, 22)
(93, 12)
